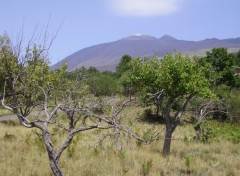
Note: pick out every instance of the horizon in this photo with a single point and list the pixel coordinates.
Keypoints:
(89, 23)
(169, 35)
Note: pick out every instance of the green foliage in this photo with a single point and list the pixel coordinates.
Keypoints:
(228, 131)
(170, 83)
(25, 76)
(102, 84)
(144, 73)
(207, 134)
(214, 130)
(98, 84)
(177, 75)
(223, 66)
(123, 73)
(233, 104)
(76, 75)
(123, 65)
(224, 80)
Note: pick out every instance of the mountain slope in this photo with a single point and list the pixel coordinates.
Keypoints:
(107, 55)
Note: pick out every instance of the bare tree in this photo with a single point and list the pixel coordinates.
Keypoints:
(30, 86)
(72, 118)
(209, 108)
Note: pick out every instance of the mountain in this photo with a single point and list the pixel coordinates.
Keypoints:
(107, 55)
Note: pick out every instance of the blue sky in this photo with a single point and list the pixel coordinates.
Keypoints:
(85, 23)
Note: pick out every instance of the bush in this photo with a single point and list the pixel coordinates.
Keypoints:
(233, 101)
(217, 130)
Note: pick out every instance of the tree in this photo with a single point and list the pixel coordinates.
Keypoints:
(122, 71)
(224, 80)
(224, 65)
(30, 86)
(173, 81)
(215, 108)
(123, 65)
(126, 84)
(101, 84)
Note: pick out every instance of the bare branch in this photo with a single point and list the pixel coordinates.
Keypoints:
(3, 99)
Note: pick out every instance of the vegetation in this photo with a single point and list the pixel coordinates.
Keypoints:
(100, 84)
(224, 66)
(172, 82)
(61, 108)
(24, 155)
(29, 86)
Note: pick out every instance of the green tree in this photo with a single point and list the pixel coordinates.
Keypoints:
(27, 83)
(126, 84)
(173, 81)
(224, 65)
(123, 65)
(122, 71)
(99, 83)
(102, 85)
(224, 80)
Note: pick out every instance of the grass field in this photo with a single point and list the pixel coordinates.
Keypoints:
(4, 111)
(22, 152)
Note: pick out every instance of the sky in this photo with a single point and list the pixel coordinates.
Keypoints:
(83, 23)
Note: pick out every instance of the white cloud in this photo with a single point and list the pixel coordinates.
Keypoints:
(144, 7)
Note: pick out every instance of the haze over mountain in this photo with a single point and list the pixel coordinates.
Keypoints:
(107, 55)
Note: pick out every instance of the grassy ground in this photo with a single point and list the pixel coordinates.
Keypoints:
(22, 153)
(4, 111)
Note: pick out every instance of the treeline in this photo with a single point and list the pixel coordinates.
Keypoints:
(220, 67)
(105, 83)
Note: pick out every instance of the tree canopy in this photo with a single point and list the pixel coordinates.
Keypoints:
(174, 79)
(224, 66)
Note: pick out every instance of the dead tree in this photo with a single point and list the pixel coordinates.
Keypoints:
(207, 109)
(72, 118)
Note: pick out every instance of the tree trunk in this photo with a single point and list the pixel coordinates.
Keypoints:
(198, 132)
(168, 134)
(167, 142)
(52, 159)
(54, 166)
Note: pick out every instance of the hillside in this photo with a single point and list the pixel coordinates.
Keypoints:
(107, 55)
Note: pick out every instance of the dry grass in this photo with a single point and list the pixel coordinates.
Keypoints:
(4, 111)
(22, 154)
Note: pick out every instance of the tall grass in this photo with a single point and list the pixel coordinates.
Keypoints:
(4, 111)
(23, 154)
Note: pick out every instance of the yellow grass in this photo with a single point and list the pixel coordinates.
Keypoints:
(22, 154)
